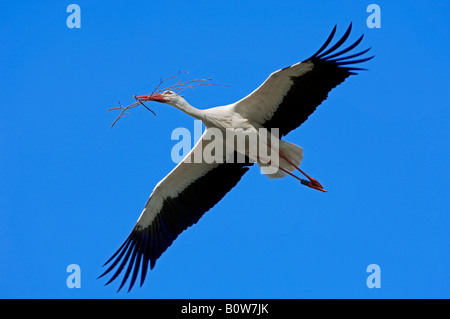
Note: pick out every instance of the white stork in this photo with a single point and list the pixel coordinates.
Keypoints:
(284, 101)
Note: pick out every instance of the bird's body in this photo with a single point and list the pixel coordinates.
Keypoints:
(283, 102)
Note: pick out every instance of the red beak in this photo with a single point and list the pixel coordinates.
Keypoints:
(151, 97)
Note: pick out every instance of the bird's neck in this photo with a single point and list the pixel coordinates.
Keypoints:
(188, 109)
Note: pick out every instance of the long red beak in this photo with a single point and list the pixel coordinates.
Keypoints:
(151, 97)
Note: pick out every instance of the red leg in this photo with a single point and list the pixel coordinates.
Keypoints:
(313, 183)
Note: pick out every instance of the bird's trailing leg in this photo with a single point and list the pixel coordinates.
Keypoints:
(311, 182)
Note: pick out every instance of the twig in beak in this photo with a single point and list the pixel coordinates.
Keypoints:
(124, 108)
(178, 87)
(142, 103)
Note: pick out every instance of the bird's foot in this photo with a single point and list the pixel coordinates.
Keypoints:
(313, 183)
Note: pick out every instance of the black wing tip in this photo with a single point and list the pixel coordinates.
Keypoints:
(133, 256)
(126, 254)
(144, 246)
(127, 259)
(327, 41)
(330, 54)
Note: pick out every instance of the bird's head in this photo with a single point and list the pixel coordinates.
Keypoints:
(168, 97)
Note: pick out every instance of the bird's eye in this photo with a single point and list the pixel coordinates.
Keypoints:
(168, 92)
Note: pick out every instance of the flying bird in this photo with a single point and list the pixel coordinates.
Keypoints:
(284, 101)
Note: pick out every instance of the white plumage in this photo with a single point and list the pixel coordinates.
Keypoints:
(284, 101)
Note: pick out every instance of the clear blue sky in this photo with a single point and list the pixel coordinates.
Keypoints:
(71, 188)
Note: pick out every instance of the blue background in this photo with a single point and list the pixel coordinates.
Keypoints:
(72, 188)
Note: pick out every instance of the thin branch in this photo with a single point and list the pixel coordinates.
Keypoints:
(165, 80)
(181, 86)
(142, 103)
(128, 107)
(178, 87)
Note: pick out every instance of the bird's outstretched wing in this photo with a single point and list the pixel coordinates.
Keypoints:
(177, 202)
(288, 96)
